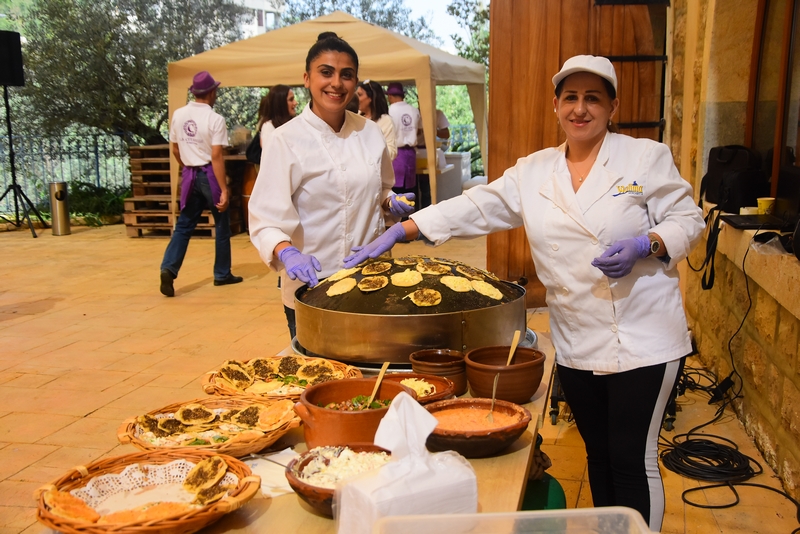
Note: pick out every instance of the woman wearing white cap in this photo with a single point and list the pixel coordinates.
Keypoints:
(608, 218)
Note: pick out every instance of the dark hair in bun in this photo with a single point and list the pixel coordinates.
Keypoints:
(330, 42)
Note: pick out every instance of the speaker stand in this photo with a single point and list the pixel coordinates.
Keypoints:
(20, 198)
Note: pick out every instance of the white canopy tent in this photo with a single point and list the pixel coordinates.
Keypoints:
(279, 56)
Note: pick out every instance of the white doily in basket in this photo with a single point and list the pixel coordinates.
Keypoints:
(146, 483)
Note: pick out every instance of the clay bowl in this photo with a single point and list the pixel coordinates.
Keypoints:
(442, 362)
(323, 426)
(321, 499)
(518, 381)
(444, 386)
(478, 443)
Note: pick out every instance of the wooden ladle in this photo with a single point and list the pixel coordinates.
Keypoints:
(377, 383)
(490, 415)
(514, 343)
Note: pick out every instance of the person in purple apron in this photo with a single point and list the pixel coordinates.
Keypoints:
(198, 136)
(407, 124)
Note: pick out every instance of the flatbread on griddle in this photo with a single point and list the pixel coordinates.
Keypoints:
(205, 474)
(485, 288)
(407, 278)
(431, 267)
(444, 261)
(377, 267)
(341, 287)
(194, 414)
(64, 504)
(342, 273)
(407, 260)
(373, 283)
(457, 283)
(236, 375)
(470, 272)
(425, 297)
(275, 415)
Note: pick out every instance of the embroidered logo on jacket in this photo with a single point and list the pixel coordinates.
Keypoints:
(630, 189)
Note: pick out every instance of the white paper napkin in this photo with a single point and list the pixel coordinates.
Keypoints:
(273, 472)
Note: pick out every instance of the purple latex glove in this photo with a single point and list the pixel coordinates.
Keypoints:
(398, 208)
(618, 260)
(300, 266)
(385, 242)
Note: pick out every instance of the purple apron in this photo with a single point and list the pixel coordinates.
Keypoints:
(405, 167)
(188, 176)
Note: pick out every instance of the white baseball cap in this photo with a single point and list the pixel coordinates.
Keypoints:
(594, 64)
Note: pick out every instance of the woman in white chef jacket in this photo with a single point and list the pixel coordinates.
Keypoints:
(607, 217)
(330, 178)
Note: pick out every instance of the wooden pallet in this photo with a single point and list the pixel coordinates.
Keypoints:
(166, 232)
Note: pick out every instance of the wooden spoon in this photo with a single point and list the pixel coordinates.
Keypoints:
(490, 415)
(514, 344)
(377, 383)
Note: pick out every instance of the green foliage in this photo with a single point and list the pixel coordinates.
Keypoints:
(473, 16)
(453, 100)
(93, 202)
(12, 11)
(475, 158)
(103, 63)
(390, 14)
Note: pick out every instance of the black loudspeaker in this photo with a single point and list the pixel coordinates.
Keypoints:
(11, 59)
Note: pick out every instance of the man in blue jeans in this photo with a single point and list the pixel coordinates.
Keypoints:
(198, 136)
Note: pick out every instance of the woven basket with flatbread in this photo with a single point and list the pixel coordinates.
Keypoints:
(229, 431)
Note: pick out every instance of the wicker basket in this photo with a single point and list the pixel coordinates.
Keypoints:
(212, 387)
(186, 523)
(236, 448)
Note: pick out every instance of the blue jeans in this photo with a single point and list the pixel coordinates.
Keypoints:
(199, 199)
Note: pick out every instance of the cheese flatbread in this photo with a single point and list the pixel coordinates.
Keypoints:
(343, 273)
(470, 272)
(373, 283)
(485, 288)
(407, 260)
(431, 267)
(341, 287)
(407, 278)
(205, 474)
(263, 388)
(457, 283)
(425, 297)
(377, 267)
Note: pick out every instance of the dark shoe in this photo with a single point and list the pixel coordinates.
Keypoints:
(230, 279)
(166, 283)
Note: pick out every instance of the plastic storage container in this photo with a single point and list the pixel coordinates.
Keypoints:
(610, 520)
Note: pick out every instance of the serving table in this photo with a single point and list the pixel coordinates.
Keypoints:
(501, 478)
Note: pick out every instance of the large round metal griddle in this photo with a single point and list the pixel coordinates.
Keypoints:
(364, 328)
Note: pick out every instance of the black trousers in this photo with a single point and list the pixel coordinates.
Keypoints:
(619, 417)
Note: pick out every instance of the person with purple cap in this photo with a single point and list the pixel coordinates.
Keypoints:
(407, 124)
(608, 218)
(198, 136)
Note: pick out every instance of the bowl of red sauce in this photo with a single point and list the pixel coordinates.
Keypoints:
(463, 426)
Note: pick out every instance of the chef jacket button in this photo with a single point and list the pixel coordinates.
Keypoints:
(614, 328)
(594, 241)
(343, 167)
(375, 231)
(350, 202)
(565, 290)
(349, 237)
(555, 246)
(603, 285)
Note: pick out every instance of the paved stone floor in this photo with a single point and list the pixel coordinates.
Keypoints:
(87, 340)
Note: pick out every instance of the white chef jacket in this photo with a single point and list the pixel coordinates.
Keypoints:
(323, 193)
(266, 129)
(387, 127)
(407, 121)
(196, 127)
(597, 323)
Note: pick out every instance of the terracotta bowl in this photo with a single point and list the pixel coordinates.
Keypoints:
(323, 426)
(478, 443)
(444, 386)
(518, 381)
(321, 499)
(442, 362)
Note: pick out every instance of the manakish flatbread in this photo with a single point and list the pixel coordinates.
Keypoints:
(275, 415)
(470, 272)
(485, 288)
(236, 375)
(407, 278)
(444, 261)
(194, 414)
(249, 416)
(373, 283)
(430, 267)
(212, 494)
(377, 267)
(205, 474)
(288, 365)
(313, 369)
(64, 504)
(457, 283)
(425, 297)
(341, 287)
(261, 368)
(171, 426)
(407, 260)
(343, 273)
(262, 388)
